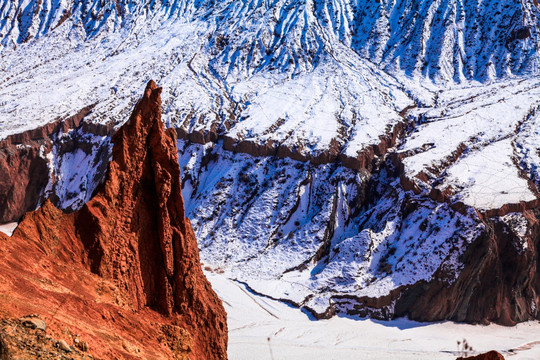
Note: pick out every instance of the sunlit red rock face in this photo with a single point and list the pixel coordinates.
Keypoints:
(132, 235)
(24, 168)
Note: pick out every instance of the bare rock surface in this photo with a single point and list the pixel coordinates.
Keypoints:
(125, 268)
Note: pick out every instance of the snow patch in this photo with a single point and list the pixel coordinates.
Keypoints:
(9, 228)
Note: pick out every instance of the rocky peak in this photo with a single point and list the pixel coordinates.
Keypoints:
(141, 207)
(133, 232)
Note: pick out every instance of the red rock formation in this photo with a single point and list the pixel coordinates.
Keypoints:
(24, 174)
(492, 355)
(134, 233)
(24, 170)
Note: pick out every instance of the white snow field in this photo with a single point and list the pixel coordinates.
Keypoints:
(262, 328)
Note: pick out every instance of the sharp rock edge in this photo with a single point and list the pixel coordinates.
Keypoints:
(134, 232)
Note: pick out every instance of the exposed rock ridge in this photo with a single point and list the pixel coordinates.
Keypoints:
(500, 281)
(140, 207)
(134, 232)
(362, 160)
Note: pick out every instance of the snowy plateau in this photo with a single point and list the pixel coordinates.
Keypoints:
(347, 157)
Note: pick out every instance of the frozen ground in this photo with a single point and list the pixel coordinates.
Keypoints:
(261, 328)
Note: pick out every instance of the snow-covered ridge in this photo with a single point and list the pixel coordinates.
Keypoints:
(476, 144)
(439, 39)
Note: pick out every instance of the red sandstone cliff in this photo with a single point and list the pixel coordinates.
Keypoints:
(134, 237)
(24, 167)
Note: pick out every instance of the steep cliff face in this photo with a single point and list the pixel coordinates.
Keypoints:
(139, 208)
(500, 281)
(134, 233)
(30, 160)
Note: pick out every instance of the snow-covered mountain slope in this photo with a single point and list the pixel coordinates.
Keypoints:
(202, 92)
(304, 232)
(347, 156)
(478, 145)
(448, 39)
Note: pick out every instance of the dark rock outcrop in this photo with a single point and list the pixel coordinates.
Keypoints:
(134, 232)
(492, 355)
(500, 281)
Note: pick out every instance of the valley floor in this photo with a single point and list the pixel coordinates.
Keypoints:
(267, 329)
